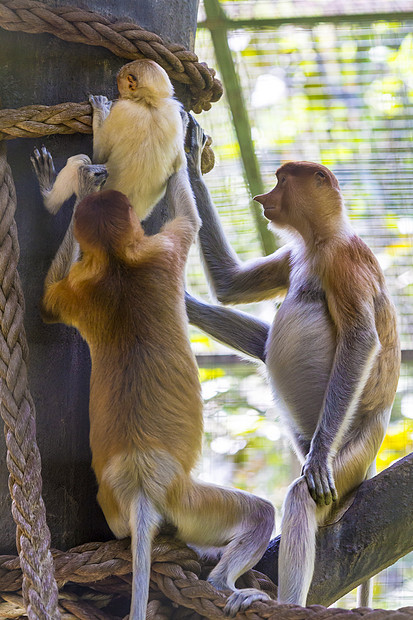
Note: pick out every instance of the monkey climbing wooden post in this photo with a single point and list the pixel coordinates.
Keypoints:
(44, 69)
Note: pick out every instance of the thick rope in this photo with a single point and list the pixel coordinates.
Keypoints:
(18, 413)
(95, 581)
(36, 121)
(123, 38)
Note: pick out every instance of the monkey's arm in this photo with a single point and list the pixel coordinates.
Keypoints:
(351, 305)
(236, 329)
(55, 190)
(59, 303)
(101, 107)
(186, 222)
(67, 254)
(233, 282)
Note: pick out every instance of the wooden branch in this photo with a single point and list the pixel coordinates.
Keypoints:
(372, 534)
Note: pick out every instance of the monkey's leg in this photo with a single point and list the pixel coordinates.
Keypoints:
(212, 516)
(67, 254)
(236, 329)
(302, 516)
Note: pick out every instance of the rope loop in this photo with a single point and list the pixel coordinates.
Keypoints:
(123, 38)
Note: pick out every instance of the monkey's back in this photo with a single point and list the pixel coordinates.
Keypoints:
(145, 393)
(146, 147)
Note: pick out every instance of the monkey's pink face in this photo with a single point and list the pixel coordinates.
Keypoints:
(301, 190)
(276, 202)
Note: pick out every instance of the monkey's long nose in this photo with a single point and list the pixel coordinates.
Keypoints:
(260, 198)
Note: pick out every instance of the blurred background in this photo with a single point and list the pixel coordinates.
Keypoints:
(330, 82)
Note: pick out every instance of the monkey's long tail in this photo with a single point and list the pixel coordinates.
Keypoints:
(297, 546)
(144, 520)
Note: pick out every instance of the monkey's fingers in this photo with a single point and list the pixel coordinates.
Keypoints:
(310, 483)
(325, 487)
(332, 485)
(100, 102)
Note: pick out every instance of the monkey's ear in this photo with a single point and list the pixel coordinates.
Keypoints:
(132, 81)
(320, 178)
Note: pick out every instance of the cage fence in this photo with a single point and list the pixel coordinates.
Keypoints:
(339, 92)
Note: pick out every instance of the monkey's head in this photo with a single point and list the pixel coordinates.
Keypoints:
(144, 79)
(306, 194)
(106, 222)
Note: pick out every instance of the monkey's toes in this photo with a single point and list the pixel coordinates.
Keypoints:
(42, 162)
(240, 600)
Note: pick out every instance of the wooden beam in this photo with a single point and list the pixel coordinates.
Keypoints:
(375, 532)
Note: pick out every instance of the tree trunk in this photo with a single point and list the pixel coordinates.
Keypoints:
(374, 533)
(44, 69)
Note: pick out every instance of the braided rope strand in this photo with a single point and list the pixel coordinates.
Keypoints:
(36, 121)
(102, 572)
(18, 413)
(125, 39)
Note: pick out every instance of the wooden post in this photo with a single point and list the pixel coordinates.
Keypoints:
(44, 69)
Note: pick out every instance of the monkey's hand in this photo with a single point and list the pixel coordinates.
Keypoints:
(194, 145)
(319, 477)
(101, 107)
(42, 163)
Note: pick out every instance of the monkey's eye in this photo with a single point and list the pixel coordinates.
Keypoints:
(320, 174)
(282, 179)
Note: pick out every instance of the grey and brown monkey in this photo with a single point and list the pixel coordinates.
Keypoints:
(332, 353)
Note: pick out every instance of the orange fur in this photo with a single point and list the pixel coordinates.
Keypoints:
(126, 298)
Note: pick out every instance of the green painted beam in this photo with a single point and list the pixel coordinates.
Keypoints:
(212, 23)
(239, 117)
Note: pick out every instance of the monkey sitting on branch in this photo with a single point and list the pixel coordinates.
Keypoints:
(126, 297)
(332, 352)
(140, 138)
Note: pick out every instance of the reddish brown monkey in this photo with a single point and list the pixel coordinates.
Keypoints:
(126, 297)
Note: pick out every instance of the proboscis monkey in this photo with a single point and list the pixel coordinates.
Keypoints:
(126, 297)
(140, 137)
(332, 352)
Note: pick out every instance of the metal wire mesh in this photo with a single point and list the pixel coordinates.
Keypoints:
(341, 93)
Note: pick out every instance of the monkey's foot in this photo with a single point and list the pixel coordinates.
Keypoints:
(42, 163)
(100, 103)
(240, 600)
(195, 142)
